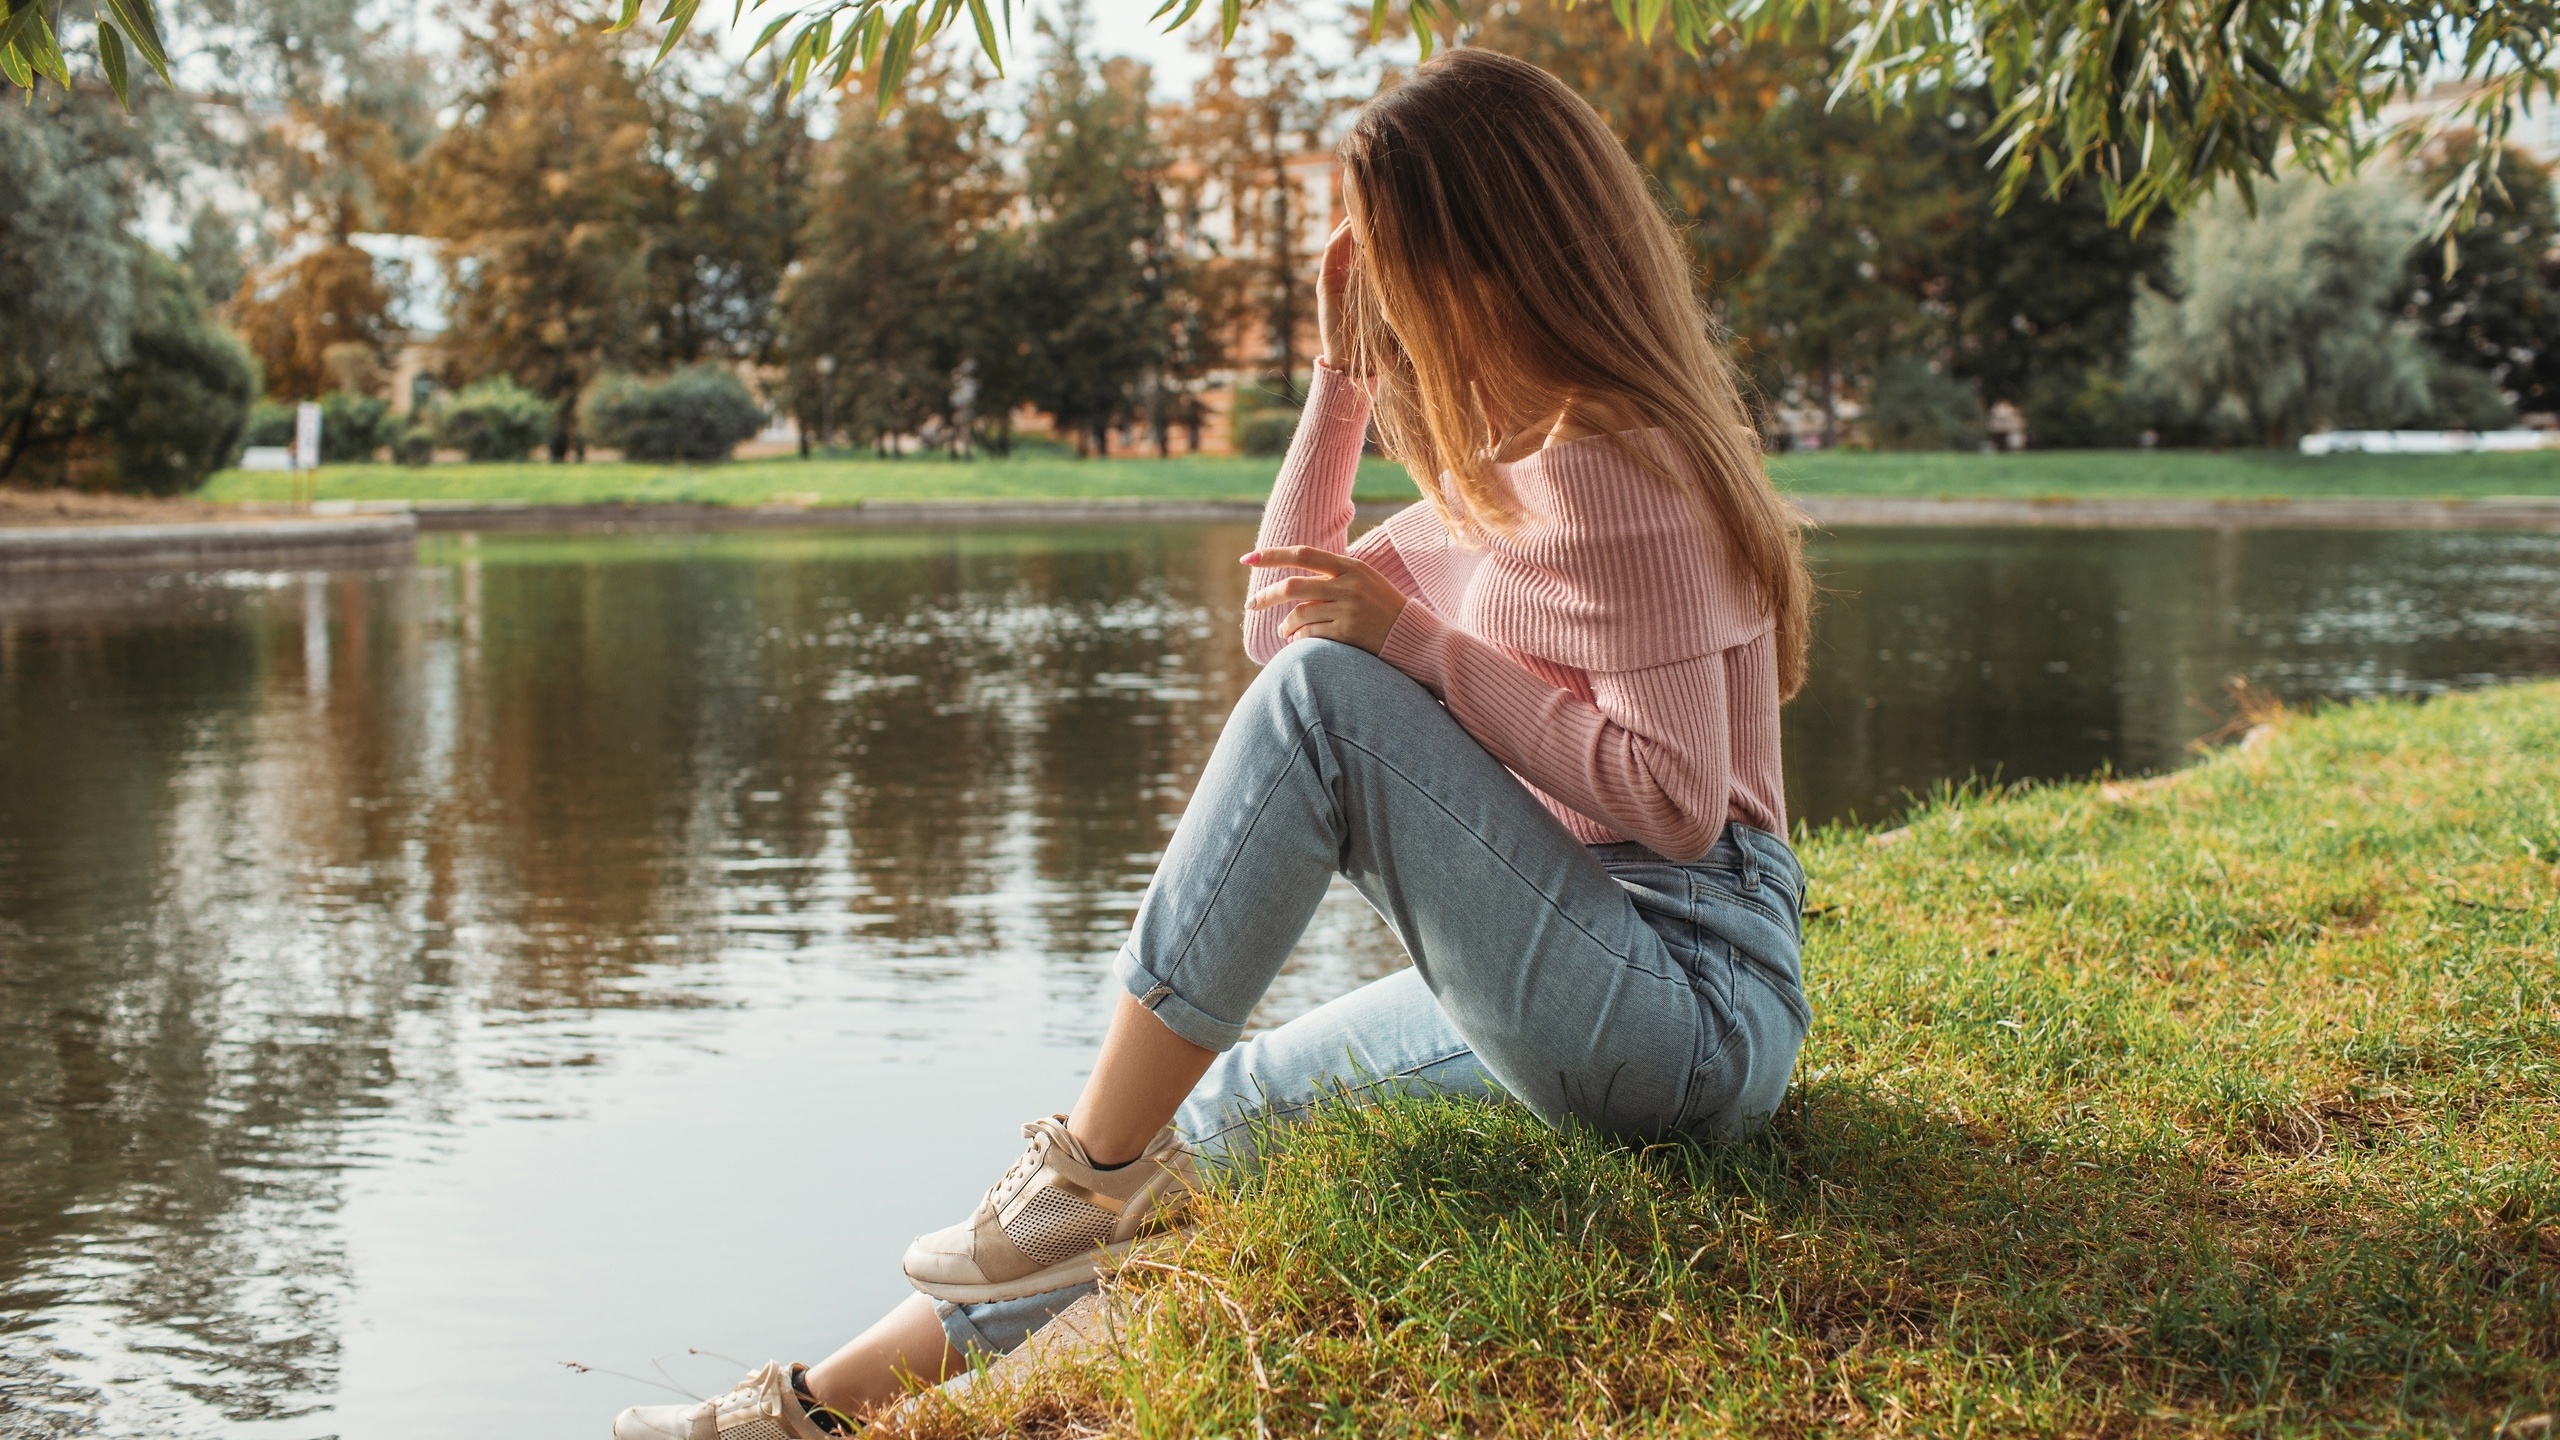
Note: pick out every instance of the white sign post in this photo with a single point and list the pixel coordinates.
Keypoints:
(306, 448)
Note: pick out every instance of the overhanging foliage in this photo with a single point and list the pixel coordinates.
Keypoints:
(2153, 101)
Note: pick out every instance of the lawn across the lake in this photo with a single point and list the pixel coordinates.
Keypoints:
(2241, 474)
(2225, 1103)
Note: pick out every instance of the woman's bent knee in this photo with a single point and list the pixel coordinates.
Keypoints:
(1327, 667)
(1320, 674)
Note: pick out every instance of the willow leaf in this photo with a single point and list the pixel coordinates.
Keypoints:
(141, 29)
(678, 19)
(986, 24)
(111, 60)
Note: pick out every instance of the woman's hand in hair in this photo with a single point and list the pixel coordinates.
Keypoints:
(1333, 279)
(1345, 600)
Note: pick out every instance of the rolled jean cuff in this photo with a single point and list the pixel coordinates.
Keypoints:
(999, 1327)
(1179, 1015)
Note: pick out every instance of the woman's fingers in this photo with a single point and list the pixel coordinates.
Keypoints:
(1297, 588)
(1302, 557)
(1314, 619)
(1339, 249)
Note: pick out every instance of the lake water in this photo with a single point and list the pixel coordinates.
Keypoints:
(576, 950)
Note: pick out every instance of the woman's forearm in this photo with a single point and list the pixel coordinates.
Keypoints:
(1311, 500)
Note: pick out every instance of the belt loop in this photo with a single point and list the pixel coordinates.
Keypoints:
(1750, 864)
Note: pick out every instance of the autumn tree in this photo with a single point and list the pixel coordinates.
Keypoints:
(543, 191)
(334, 109)
(315, 322)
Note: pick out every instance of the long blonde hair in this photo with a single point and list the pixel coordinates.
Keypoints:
(1512, 260)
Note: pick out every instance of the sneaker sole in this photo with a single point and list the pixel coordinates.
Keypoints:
(1083, 1270)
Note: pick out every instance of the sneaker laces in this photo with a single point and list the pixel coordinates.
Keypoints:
(1045, 1134)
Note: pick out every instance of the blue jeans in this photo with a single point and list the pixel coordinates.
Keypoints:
(1599, 985)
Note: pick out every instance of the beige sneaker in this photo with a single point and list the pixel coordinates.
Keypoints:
(763, 1407)
(1053, 1220)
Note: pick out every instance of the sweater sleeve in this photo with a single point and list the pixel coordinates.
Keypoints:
(1648, 754)
(1311, 499)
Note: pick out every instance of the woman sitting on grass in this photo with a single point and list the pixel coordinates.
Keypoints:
(1535, 720)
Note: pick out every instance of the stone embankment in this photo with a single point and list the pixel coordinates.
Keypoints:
(314, 542)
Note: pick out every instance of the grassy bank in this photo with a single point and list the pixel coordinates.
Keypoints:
(2230, 1103)
(2246, 474)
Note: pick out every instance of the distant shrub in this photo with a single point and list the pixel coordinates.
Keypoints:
(1266, 432)
(2070, 409)
(1913, 407)
(353, 427)
(2462, 398)
(699, 413)
(174, 412)
(269, 424)
(415, 446)
(493, 419)
(1263, 421)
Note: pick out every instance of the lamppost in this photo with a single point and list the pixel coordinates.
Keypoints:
(826, 398)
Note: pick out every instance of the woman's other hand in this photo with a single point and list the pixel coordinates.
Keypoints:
(1333, 278)
(1345, 600)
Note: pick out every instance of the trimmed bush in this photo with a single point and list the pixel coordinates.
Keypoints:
(1267, 432)
(416, 446)
(493, 419)
(1914, 407)
(1263, 421)
(699, 413)
(175, 410)
(353, 427)
(269, 424)
(2461, 398)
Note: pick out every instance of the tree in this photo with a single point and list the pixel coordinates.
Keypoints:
(164, 412)
(73, 171)
(2487, 299)
(1262, 104)
(330, 111)
(304, 317)
(736, 161)
(543, 190)
(1088, 293)
(1817, 227)
(174, 411)
(2156, 101)
(2037, 298)
(901, 267)
(2282, 320)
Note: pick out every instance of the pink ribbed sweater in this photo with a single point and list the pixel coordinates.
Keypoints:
(1610, 650)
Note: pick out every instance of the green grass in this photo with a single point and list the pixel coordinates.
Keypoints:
(2241, 474)
(2224, 1104)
